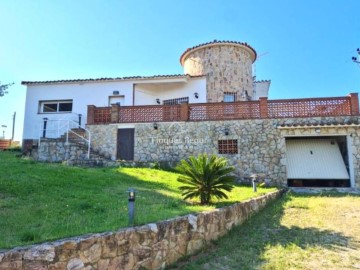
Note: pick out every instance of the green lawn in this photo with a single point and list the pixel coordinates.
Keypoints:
(41, 202)
(295, 232)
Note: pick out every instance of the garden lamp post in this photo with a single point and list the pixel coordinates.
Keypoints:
(131, 205)
(254, 180)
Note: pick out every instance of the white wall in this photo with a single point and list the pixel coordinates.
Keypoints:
(97, 93)
(82, 94)
(146, 94)
(261, 89)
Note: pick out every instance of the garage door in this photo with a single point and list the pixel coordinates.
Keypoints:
(315, 159)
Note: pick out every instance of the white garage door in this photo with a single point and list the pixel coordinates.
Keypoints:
(315, 159)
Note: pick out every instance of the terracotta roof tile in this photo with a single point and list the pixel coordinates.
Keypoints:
(327, 125)
(262, 81)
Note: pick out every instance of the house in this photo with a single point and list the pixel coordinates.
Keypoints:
(215, 107)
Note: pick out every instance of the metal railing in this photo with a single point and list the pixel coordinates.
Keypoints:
(65, 127)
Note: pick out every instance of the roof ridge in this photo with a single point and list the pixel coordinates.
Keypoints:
(110, 79)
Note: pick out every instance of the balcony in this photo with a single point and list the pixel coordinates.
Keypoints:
(261, 109)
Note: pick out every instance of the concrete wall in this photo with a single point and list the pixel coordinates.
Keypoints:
(153, 246)
(261, 144)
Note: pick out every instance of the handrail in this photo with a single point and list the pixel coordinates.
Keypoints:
(66, 126)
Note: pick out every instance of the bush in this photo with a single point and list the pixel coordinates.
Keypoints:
(205, 177)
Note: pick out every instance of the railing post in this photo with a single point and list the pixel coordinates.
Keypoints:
(264, 112)
(79, 115)
(354, 103)
(114, 115)
(44, 127)
(184, 112)
(91, 114)
(67, 132)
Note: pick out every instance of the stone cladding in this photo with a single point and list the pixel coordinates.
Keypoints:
(227, 66)
(152, 246)
(261, 144)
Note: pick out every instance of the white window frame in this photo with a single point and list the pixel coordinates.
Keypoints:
(58, 102)
(229, 97)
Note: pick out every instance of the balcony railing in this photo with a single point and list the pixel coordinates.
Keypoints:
(262, 109)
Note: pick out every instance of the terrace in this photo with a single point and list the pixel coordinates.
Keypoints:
(261, 109)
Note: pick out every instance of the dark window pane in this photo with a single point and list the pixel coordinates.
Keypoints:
(65, 107)
(50, 107)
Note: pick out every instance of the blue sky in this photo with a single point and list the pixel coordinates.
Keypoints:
(305, 46)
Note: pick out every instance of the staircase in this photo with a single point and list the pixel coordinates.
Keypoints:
(72, 147)
(75, 139)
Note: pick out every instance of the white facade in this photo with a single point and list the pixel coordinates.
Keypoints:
(147, 93)
(101, 93)
(260, 89)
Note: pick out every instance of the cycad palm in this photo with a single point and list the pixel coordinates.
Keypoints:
(205, 177)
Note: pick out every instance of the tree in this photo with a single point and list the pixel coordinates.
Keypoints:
(3, 88)
(205, 177)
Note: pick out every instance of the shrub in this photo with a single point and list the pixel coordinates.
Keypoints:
(205, 177)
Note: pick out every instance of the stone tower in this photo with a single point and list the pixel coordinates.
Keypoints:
(227, 66)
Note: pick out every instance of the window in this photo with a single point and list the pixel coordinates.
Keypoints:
(229, 97)
(228, 146)
(116, 100)
(56, 106)
(176, 101)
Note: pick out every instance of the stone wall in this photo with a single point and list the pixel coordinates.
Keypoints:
(261, 144)
(57, 150)
(152, 246)
(227, 66)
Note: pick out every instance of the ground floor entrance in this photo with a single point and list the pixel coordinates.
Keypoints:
(125, 144)
(317, 162)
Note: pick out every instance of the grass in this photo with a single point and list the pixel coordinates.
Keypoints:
(41, 202)
(296, 232)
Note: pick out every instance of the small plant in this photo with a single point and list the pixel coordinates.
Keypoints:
(205, 177)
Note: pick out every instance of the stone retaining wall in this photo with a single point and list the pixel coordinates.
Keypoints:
(152, 246)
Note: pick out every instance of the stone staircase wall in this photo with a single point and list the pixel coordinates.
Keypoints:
(70, 148)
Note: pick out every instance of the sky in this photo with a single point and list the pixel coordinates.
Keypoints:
(304, 46)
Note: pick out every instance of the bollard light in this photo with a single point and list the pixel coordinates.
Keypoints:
(254, 180)
(131, 192)
(131, 205)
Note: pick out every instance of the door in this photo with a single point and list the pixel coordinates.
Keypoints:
(319, 159)
(125, 144)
